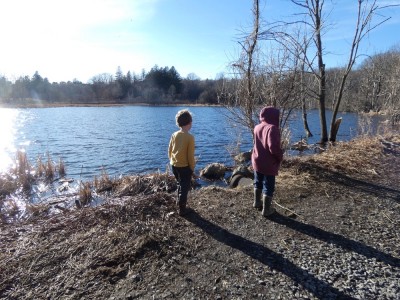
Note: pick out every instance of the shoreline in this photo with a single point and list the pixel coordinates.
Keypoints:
(99, 104)
(114, 104)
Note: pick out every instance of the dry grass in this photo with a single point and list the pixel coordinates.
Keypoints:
(85, 194)
(364, 164)
(61, 168)
(18, 182)
(144, 184)
(9, 210)
(135, 184)
(357, 157)
(40, 167)
(98, 246)
(23, 171)
(103, 183)
(50, 168)
(8, 185)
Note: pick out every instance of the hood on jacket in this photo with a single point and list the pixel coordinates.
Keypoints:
(270, 115)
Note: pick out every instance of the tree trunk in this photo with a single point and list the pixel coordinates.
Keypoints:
(335, 128)
(321, 100)
(321, 68)
(303, 102)
(305, 122)
(322, 117)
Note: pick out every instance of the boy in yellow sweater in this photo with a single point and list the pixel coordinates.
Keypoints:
(181, 157)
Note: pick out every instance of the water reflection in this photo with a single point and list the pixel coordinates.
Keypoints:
(8, 129)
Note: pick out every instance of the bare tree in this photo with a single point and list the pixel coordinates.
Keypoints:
(366, 10)
(241, 94)
(296, 45)
(281, 84)
(100, 85)
(260, 80)
(379, 87)
(314, 22)
(314, 19)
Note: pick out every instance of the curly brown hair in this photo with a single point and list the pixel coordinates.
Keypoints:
(183, 118)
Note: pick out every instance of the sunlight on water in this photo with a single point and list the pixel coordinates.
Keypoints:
(8, 128)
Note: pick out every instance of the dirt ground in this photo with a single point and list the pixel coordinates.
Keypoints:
(138, 247)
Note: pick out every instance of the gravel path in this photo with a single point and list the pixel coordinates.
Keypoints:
(349, 251)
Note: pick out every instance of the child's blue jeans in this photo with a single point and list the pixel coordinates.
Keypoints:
(264, 182)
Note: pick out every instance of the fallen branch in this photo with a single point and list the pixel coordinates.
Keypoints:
(287, 209)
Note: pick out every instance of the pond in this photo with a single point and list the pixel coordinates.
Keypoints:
(131, 140)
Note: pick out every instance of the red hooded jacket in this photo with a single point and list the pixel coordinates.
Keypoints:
(267, 153)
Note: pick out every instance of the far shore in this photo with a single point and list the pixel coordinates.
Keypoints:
(42, 104)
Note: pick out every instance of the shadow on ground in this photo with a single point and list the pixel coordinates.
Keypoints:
(270, 258)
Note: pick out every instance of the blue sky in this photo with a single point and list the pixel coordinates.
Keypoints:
(78, 39)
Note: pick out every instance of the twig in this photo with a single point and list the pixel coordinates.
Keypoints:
(285, 208)
(388, 217)
(63, 200)
(285, 244)
(354, 199)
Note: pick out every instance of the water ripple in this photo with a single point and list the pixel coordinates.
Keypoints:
(129, 140)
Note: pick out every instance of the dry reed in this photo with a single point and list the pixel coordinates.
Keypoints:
(61, 168)
(8, 185)
(18, 181)
(10, 209)
(103, 183)
(40, 167)
(50, 169)
(23, 171)
(85, 194)
(144, 184)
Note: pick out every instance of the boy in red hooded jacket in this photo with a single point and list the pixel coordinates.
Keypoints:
(266, 158)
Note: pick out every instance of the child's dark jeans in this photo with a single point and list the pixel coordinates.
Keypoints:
(264, 182)
(184, 176)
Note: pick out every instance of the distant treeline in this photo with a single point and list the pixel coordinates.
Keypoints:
(373, 86)
(158, 86)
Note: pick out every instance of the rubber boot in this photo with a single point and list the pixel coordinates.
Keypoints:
(182, 209)
(257, 199)
(267, 206)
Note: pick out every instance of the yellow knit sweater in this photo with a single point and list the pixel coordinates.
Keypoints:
(181, 150)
